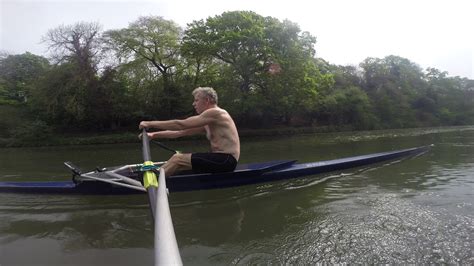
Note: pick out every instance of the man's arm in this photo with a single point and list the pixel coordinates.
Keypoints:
(197, 121)
(172, 134)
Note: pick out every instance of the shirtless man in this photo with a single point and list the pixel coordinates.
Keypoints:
(211, 120)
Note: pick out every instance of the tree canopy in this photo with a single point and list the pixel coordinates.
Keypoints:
(265, 71)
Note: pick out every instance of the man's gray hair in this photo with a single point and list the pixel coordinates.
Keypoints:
(206, 92)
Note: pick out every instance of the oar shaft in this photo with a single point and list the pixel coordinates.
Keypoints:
(166, 246)
(146, 146)
(150, 181)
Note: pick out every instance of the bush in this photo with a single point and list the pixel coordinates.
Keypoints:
(10, 115)
(32, 131)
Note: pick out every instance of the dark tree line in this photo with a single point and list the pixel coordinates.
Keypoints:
(264, 70)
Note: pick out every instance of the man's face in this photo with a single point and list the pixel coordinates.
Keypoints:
(200, 103)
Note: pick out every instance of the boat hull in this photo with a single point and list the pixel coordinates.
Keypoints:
(246, 174)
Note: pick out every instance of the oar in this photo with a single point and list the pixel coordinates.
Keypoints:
(149, 177)
(166, 246)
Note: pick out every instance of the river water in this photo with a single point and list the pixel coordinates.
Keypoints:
(417, 210)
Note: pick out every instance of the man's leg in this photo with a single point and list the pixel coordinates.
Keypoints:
(177, 162)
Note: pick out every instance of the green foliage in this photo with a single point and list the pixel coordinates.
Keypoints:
(248, 45)
(18, 75)
(11, 116)
(235, 38)
(32, 131)
(347, 107)
(156, 42)
(393, 84)
(263, 69)
(58, 96)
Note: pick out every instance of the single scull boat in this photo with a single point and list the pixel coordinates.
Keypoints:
(124, 179)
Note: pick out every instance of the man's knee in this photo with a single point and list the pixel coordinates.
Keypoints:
(179, 159)
(173, 159)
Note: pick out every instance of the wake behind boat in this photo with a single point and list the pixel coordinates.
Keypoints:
(125, 179)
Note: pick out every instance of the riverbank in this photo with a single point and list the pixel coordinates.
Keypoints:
(132, 137)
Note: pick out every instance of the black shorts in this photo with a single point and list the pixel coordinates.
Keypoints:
(213, 162)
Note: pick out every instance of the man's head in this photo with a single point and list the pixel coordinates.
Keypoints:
(206, 92)
(204, 98)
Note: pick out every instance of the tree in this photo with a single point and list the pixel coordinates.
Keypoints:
(79, 44)
(348, 108)
(242, 39)
(19, 74)
(448, 99)
(393, 84)
(72, 92)
(155, 41)
(346, 76)
(250, 47)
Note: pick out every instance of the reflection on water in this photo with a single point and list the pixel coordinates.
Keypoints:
(58, 230)
(417, 210)
(76, 222)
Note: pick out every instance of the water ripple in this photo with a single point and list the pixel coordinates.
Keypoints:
(385, 229)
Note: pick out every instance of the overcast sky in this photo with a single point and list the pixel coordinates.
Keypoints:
(431, 33)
